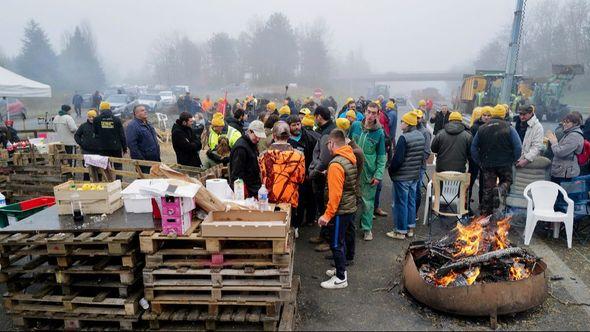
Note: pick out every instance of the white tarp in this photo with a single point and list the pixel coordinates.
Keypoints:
(14, 85)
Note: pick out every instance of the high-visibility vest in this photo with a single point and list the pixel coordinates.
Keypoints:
(232, 134)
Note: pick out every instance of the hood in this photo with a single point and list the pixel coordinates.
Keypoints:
(62, 112)
(454, 127)
(372, 127)
(346, 152)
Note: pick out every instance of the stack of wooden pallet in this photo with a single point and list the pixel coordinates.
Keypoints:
(72, 280)
(196, 282)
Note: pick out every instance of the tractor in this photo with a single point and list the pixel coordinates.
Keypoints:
(548, 93)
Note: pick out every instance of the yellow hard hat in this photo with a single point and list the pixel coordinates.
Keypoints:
(343, 123)
(285, 110)
(91, 114)
(390, 105)
(410, 118)
(499, 111)
(351, 113)
(308, 121)
(422, 102)
(455, 116)
(271, 106)
(104, 105)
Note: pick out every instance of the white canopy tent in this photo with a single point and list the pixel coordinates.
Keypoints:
(14, 85)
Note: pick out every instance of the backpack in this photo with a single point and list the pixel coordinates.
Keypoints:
(584, 156)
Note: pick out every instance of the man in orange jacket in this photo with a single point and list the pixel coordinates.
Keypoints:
(341, 206)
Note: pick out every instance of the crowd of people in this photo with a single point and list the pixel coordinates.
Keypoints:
(329, 163)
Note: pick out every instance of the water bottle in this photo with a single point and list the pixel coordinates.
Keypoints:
(263, 199)
(2, 200)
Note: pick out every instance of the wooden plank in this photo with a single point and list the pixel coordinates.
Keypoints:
(83, 237)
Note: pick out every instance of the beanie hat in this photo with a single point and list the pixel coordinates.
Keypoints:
(349, 100)
(65, 108)
(343, 123)
(271, 106)
(455, 116)
(390, 105)
(91, 114)
(304, 111)
(351, 113)
(217, 120)
(498, 111)
(410, 118)
(104, 105)
(487, 110)
(418, 113)
(285, 110)
(422, 103)
(308, 121)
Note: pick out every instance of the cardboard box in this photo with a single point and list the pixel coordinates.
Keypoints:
(107, 200)
(246, 224)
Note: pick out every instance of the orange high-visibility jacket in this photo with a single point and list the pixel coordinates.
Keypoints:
(282, 170)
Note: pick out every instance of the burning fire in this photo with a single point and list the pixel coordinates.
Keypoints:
(468, 239)
(471, 275)
(503, 226)
(518, 270)
(446, 280)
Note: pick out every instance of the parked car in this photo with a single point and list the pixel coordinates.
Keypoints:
(119, 100)
(167, 97)
(151, 101)
(16, 109)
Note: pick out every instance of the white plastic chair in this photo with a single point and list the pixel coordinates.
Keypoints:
(540, 207)
(162, 121)
(453, 193)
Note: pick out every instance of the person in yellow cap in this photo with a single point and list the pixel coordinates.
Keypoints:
(303, 112)
(110, 134)
(404, 171)
(421, 127)
(452, 145)
(271, 107)
(422, 105)
(85, 136)
(351, 116)
(284, 112)
(218, 128)
(496, 147)
(343, 124)
(308, 122)
(480, 116)
(351, 106)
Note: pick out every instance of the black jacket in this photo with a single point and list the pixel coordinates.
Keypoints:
(197, 132)
(185, 146)
(86, 138)
(452, 146)
(109, 131)
(440, 121)
(244, 165)
(306, 144)
(239, 125)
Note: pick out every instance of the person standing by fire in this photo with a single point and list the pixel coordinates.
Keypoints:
(496, 147)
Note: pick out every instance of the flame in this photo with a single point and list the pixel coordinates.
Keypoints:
(446, 280)
(501, 234)
(468, 239)
(518, 271)
(471, 275)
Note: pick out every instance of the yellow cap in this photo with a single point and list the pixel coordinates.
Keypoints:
(455, 116)
(487, 110)
(308, 121)
(508, 107)
(343, 123)
(348, 100)
(217, 121)
(91, 114)
(104, 105)
(217, 115)
(285, 110)
(418, 113)
(410, 118)
(499, 111)
(351, 113)
(390, 105)
(304, 111)
(271, 106)
(422, 103)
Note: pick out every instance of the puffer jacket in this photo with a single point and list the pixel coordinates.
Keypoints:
(185, 145)
(282, 169)
(452, 146)
(142, 141)
(532, 143)
(244, 165)
(565, 163)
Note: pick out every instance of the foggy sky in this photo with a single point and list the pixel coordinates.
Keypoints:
(395, 35)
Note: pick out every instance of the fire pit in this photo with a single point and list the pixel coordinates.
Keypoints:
(475, 272)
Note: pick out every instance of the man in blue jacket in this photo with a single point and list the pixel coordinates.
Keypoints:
(142, 140)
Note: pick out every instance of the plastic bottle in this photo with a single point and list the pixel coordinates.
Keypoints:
(2, 200)
(239, 194)
(263, 199)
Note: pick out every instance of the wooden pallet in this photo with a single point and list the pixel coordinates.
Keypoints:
(33, 320)
(70, 244)
(76, 272)
(49, 298)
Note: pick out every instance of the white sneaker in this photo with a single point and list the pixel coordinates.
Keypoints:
(334, 283)
(296, 233)
(368, 236)
(332, 272)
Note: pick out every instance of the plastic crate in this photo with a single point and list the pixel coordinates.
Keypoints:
(18, 211)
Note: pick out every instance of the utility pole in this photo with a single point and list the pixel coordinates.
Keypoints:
(513, 49)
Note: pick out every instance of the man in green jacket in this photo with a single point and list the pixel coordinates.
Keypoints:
(369, 136)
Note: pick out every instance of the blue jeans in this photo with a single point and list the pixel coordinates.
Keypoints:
(378, 194)
(404, 205)
(341, 242)
(418, 189)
